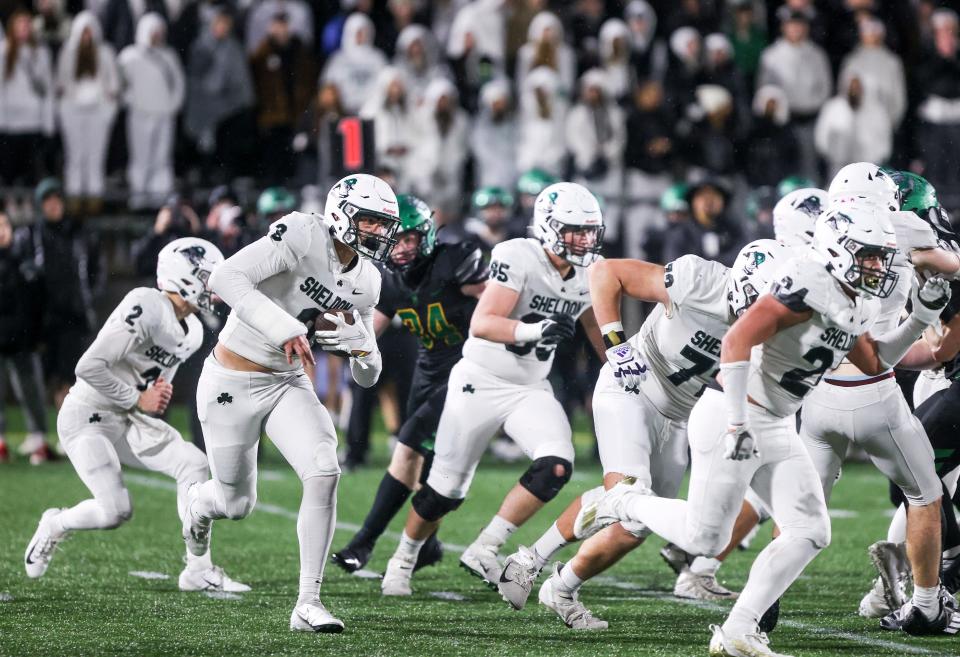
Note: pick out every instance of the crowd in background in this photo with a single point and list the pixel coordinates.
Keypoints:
(688, 118)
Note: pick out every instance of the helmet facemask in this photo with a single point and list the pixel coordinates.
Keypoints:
(876, 281)
(580, 245)
(375, 245)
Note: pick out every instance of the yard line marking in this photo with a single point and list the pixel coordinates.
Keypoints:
(448, 596)
(222, 595)
(148, 574)
(6, 597)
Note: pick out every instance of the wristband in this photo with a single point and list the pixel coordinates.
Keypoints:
(612, 334)
(525, 333)
(735, 390)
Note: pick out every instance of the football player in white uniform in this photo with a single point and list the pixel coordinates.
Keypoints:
(641, 403)
(537, 290)
(795, 216)
(112, 414)
(255, 378)
(819, 311)
(849, 407)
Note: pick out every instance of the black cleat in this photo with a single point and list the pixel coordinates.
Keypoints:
(768, 622)
(914, 621)
(431, 553)
(353, 557)
(950, 575)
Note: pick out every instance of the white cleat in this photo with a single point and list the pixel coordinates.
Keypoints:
(874, 603)
(567, 605)
(314, 617)
(607, 509)
(754, 644)
(31, 443)
(195, 534)
(889, 560)
(480, 560)
(701, 587)
(516, 581)
(396, 579)
(41, 547)
(210, 579)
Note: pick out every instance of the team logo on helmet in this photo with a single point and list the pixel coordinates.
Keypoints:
(195, 254)
(811, 205)
(837, 218)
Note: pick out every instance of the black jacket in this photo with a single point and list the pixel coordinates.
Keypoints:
(20, 306)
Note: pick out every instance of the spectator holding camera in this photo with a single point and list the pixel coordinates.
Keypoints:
(175, 219)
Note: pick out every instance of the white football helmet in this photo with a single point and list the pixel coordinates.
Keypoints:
(362, 198)
(568, 222)
(184, 267)
(753, 272)
(847, 236)
(864, 183)
(795, 216)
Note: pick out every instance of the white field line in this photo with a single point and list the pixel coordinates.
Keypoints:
(643, 594)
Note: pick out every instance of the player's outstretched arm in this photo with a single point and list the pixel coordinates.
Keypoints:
(936, 261)
(610, 279)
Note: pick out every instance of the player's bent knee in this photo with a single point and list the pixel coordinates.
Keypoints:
(546, 476)
(240, 506)
(116, 513)
(708, 544)
(431, 505)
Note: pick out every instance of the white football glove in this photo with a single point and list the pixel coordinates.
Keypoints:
(738, 444)
(351, 338)
(628, 366)
(930, 300)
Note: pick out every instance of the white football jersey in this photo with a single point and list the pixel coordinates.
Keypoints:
(308, 280)
(522, 265)
(141, 341)
(787, 366)
(681, 345)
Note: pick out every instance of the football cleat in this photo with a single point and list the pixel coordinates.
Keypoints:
(31, 443)
(196, 534)
(210, 579)
(314, 617)
(915, 622)
(480, 560)
(753, 644)
(516, 581)
(874, 603)
(605, 510)
(677, 559)
(888, 558)
(701, 587)
(41, 455)
(44, 543)
(396, 579)
(353, 557)
(430, 553)
(567, 605)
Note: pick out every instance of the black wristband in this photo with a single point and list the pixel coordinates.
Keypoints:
(613, 338)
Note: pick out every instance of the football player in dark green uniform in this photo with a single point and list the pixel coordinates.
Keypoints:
(433, 288)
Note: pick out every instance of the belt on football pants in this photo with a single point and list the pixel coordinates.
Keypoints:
(859, 382)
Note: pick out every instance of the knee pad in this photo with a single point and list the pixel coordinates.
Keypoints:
(431, 505)
(546, 476)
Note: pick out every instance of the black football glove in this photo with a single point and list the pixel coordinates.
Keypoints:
(558, 327)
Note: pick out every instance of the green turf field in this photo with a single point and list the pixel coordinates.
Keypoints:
(90, 604)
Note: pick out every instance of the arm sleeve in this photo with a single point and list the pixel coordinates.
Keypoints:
(236, 279)
(366, 371)
(892, 346)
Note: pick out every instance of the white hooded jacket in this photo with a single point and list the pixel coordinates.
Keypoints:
(494, 143)
(619, 72)
(440, 158)
(881, 72)
(27, 96)
(802, 70)
(418, 78)
(354, 68)
(100, 90)
(844, 134)
(543, 141)
(152, 76)
(394, 127)
(566, 59)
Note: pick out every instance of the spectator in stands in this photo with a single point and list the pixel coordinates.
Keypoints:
(474, 59)
(709, 233)
(154, 89)
(65, 259)
(683, 72)
(441, 152)
(614, 60)
(677, 230)
(175, 219)
(354, 68)
(443, 13)
(543, 113)
(220, 98)
(120, 19)
(490, 223)
(759, 210)
(417, 56)
(51, 24)
(585, 18)
(853, 127)
(89, 87)
(284, 78)
(394, 124)
(880, 70)
(770, 152)
(493, 140)
(26, 101)
(719, 68)
(263, 12)
(938, 93)
(700, 15)
(747, 38)
(221, 197)
(647, 53)
(801, 68)
(233, 233)
(596, 134)
(315, 130)
(402, 14)
(529, 186)
(19, 329)
(545, 48)
(712, 143)
(648, 157)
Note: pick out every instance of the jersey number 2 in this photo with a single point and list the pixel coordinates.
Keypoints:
(795, 382)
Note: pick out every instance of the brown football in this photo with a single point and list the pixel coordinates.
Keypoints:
(324, 324)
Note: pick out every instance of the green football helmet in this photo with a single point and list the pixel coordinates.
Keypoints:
(917, 195)
(675, 199)
(534, 181)
(793, 183)
(759, 200)
(275, 200)
(487, 196)
(415, 215)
